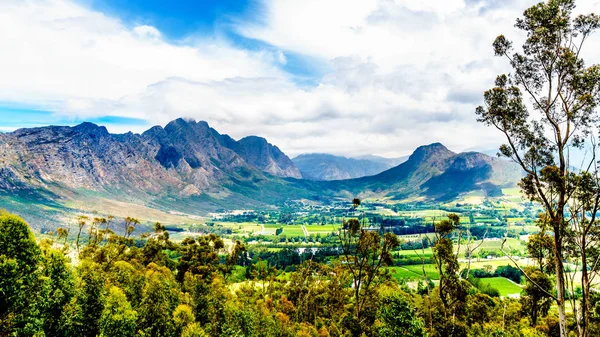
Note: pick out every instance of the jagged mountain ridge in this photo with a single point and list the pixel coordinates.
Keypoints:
(189, 167)
(185, 157)
(269, 158)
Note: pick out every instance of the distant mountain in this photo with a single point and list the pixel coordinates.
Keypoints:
(317, 166)
(267, 157)
(434, 172)
(390, 162)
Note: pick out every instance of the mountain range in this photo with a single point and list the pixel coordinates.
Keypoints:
(320, 166)
(189, 167)
(432, 172)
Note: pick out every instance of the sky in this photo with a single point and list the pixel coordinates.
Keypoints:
(347, 77)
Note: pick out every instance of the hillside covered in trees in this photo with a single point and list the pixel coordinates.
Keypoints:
(112, 285)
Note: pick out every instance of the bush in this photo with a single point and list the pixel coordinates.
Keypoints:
(510, 272)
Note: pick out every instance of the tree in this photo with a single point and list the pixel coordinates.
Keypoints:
(535, 300)
(130, 224)
(81, 222)
(118, 318)
(510, 272)
(396, 316)
(564, 94)
(193, 330)
(63, 233)
(582, 237)
(95, 233)
(129, 279)
(19, 282)
(90, 297)
(59, 290)
(159, 300)
(365, 252)
(541, 248)
(451, 290)
(232, 259)
(201, 256)
(182, 317)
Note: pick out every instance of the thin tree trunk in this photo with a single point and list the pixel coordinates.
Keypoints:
(585, 289)
(560, 283)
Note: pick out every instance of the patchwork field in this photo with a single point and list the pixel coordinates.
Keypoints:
(504, 286)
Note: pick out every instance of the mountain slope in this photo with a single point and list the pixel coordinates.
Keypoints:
(189, 167)
(267, 157)
(185, 166)
(329, 167)
(434, 172)
(390, 162)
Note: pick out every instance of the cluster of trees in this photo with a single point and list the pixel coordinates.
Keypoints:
(111, 284)
(551, 79)
(510, 272)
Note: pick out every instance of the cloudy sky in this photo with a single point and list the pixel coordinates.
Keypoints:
(347, 77)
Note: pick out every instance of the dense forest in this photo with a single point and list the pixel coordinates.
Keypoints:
(108, 284)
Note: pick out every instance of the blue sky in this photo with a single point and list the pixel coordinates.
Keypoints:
(23, 116)
(177, 19)
(178, 22)
(348, 77)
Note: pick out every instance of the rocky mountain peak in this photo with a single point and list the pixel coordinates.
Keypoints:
(91, 129)
(259, 152)
(429, 152)
(470, 160)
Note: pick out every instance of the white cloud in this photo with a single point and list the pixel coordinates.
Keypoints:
(54, 50)
(147, 31)
(403, 73)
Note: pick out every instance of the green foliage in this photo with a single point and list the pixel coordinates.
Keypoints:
(90, 297)
(452, 290)
(117, 318)
(110, 291)
(550, 73)
(193, 330)
(159, 299)
(396, 316)
(510, 272)
(536, 299)
(19, 278)
(365, 252)
(59, 290)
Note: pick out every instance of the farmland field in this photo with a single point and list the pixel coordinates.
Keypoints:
(293, 230)
(494, 263)
(504, 286)
(418, 253)
(495, 244)
(401, 273)
(241, 227)
(430, 270)
(325, 229)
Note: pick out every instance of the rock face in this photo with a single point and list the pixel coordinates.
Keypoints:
(184, 158)
(318, 166)
(267, 157)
